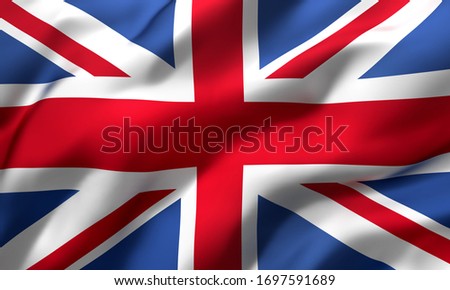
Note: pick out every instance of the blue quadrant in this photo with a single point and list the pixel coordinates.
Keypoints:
(153, 246)
(19, 64)
(428, 194)
(19, 210)
(286, 241)
(285, 24)
(425, 49)
(148, 23)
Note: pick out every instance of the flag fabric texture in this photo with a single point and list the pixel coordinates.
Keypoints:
(238, 134)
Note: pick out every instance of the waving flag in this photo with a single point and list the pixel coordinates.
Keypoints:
(208, 134)
(333, 223)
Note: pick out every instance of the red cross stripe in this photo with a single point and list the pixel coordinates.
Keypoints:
(68, 132)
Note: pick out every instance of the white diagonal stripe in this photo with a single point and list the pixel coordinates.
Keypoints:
(281, 184)
(42, 49)
(100, 192)
(151, 77)
(401, 209)
(338, 80)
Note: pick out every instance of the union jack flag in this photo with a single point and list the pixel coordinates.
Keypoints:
(70, 69)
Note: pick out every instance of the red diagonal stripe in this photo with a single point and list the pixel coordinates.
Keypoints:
(99, 232)
(385, 218)
(311, 59)
(57, 41)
